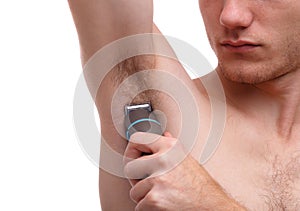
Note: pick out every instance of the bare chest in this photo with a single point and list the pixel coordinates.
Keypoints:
(258, 176)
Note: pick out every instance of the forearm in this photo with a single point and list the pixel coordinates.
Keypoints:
(99, 22)
(216, 198)
(229, 205)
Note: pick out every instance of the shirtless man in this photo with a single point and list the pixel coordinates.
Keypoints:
(257, 165)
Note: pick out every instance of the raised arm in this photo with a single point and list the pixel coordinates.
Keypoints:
(98, 23)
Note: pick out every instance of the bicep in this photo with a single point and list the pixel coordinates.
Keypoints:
(99, 22)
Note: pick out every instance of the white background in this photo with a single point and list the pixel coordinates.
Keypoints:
(42, 166)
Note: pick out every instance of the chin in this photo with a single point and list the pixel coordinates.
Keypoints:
(249, 74)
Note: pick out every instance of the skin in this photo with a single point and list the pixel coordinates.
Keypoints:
(270, 69)
(171, 184)
(273, 67)
(257, 164)
(263, 99)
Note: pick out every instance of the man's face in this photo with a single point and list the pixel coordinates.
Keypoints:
(254, 40)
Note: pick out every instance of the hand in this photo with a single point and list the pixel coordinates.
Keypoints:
(169, 179)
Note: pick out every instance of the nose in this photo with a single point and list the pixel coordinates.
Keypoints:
(236, 14)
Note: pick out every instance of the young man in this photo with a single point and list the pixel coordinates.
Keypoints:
(257, 165)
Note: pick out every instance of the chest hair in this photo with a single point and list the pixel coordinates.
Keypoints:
(281, 189)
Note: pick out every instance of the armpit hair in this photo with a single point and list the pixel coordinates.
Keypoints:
(131, 66)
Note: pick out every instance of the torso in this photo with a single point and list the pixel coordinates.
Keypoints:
(255, 176)
(257, 170)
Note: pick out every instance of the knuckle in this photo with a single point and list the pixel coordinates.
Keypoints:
(170, 142)
(159, 180)
(162, 162)
(152, 200)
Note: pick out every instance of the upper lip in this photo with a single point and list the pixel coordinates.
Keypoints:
(238, 43)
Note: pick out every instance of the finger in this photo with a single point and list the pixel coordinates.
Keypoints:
(140, 190)
(137, 167)
(150, 143)
(136, 147)
(139, 145)
(168, 134)
(141, 168)
(144, 138)
(134, 151)
(149, 201)
(152, 165)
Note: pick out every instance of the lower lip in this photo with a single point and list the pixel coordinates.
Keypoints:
(240, 49)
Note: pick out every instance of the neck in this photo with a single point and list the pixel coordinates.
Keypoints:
(275, 102)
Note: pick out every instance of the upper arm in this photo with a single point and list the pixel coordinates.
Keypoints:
(99, 22)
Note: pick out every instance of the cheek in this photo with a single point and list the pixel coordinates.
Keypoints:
(210, 8)
(293, 48)
(211, 11)
(213, 32)
(203, 4)
(286, 40)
